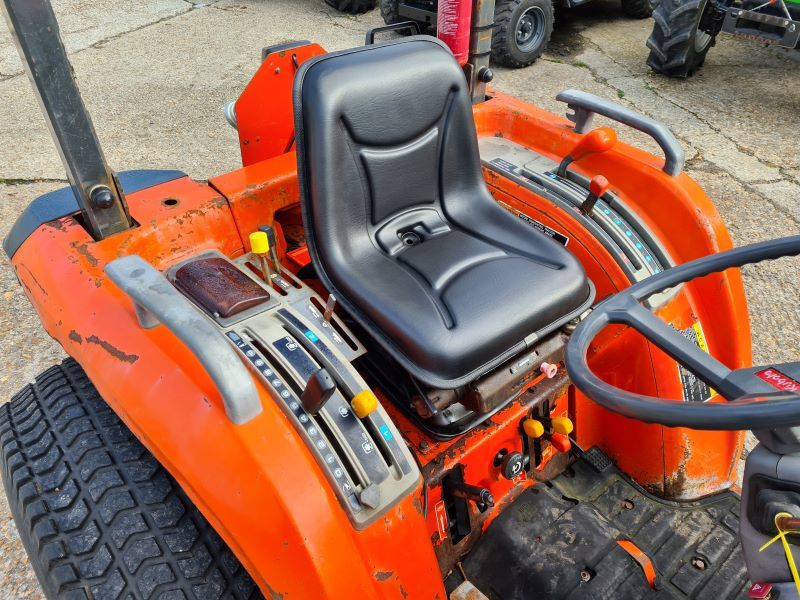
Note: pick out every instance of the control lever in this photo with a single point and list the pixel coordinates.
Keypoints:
(319, 389)
(482, 497)
(598, 186)
(273, 247)
(596, 141)
(259, 246)
(329, 306)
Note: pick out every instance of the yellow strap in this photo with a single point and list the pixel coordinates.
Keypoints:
(787, 550)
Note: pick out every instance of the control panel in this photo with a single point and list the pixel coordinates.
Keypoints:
(302, 353)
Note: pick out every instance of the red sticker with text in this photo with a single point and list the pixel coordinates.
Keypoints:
(441, 519)
(778, 380)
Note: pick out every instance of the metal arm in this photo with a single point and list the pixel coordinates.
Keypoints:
(157, 301)
(584, 106)
(34, 28)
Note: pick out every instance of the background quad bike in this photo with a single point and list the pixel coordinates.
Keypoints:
(685, 30)
(522, 28)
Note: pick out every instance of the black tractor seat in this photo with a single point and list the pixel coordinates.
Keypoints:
(399, 222)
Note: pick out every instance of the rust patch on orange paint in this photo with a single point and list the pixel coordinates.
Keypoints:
(112, 350)
(75, 337)
(83, 250)
(383, 575)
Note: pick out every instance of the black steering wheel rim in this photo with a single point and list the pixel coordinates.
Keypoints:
(748, 408)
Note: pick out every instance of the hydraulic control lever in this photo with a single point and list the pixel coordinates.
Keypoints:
(596, 141)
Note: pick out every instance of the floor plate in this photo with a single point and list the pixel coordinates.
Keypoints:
(560, 541)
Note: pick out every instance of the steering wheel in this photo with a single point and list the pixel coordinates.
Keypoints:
(753, 403)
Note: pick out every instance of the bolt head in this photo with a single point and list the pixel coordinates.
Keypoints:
(102, 197)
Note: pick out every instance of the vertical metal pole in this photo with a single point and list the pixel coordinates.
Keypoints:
(480, 47)
(35, 30)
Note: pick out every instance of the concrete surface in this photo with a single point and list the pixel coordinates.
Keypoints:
(155, 76)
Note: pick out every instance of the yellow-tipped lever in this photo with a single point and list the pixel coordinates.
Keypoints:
(533, 428)
(562, 425)
(259, 245)
(364, 403)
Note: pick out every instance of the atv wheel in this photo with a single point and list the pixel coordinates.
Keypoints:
(352, 7)
(98, 515)
(637, 9)
(677, 47)
(522, 30)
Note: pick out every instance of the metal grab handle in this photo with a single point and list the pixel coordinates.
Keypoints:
(412, 25)
(585, 105)
(157, 301)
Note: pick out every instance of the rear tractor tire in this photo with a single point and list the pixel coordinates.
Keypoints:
(98, 515)
(677, 46)
(638, 9)
(352, 7)
(522, 30)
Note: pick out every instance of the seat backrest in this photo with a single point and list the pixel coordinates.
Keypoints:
(386, 148)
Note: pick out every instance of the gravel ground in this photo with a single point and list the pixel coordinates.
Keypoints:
(156, 75)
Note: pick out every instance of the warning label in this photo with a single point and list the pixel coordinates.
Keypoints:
(548, 231)
(441, 519)
(695, 390)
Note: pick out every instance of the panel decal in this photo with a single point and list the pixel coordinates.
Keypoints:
(694, 389)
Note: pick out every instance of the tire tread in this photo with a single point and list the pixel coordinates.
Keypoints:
(98, 515)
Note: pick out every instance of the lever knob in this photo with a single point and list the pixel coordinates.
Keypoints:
(364, 403)
(319, 389)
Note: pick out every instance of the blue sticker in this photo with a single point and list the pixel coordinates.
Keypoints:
(387, 435)
(312, 336)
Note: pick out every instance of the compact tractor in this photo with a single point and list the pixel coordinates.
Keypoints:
(684, 32)
(428, 342)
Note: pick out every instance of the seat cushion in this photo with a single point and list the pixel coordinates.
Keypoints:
(401, 226)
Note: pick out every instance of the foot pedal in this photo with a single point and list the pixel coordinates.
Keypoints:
(598, 459)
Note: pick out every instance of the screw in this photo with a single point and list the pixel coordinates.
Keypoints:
(698, 563)
(102, 197)
(586, 576)
(423, 446)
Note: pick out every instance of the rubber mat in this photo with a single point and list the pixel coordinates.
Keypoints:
(559, 540)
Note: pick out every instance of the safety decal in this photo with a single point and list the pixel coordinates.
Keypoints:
(694, 389)
(548, 231)
(778, 380)
(441, 519)
(504, 165)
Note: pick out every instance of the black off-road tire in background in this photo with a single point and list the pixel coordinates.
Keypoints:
(352, 7)
(677, 47)
(390, 11)
(522, 30)
(98, 515)
(638, 9)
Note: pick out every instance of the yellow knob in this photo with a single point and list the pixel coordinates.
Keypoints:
(533, 428)
(364, 403)
(259, 242)
(562, 425)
